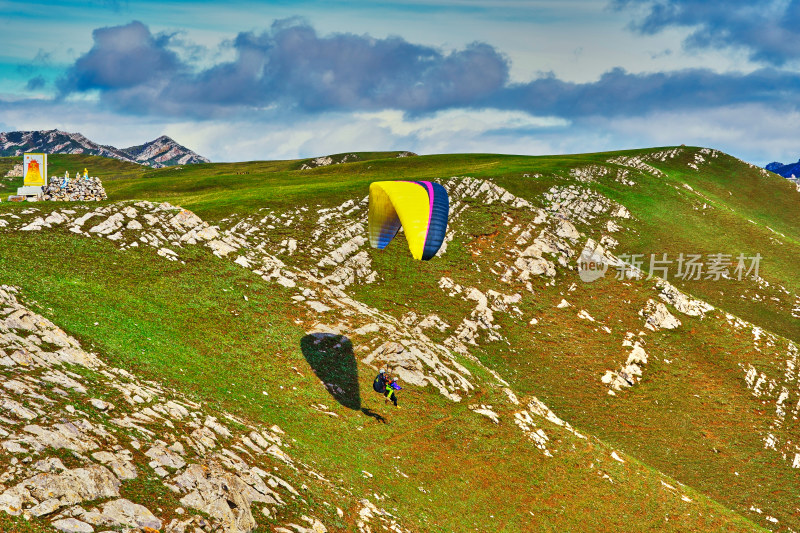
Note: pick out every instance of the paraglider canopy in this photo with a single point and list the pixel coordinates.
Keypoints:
(421, 208)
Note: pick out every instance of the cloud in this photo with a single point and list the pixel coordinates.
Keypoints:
(122, 57)
(35, 83)
(41, 60)
(767, 30)
(754, 132)
(306, 135)
(460, 122)
(288, 65)
(291, 67)
(619, 93)
(289, 92)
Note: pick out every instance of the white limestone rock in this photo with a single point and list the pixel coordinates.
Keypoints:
(221, 495)
(680, 301)
(657, 316)
(121, 463)
(125, 513)
(566, 229)
(220, 248)
(110, 225)
(72, 525)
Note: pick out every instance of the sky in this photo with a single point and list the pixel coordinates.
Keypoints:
(241, 81)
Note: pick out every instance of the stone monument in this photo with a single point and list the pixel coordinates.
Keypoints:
(34, 174)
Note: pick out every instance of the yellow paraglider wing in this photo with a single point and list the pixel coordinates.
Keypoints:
(409, 204)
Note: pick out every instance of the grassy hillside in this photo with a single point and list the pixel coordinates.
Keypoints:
(691, 423)
(747, 210)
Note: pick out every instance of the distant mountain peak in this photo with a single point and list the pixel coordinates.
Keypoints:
(787, 171)
(163, 139)
(161, 152)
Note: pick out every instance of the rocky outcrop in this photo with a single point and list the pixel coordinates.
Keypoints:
(15, 172)
(422, 363)
(638, 163)
(481, 319)
(681, 302)
(657, 316)
(582, 204)
(631, 370)
(50, 407)
(328, 160)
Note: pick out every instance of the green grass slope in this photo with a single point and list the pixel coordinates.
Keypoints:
(691, 419)
(747, 210)
(188, 325)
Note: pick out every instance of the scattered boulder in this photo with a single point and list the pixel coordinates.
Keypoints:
(485, 410)
(109, 225)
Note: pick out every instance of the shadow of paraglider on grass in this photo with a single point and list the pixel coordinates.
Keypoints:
(332, 359)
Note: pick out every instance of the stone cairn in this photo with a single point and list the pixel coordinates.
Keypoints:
(76, 190)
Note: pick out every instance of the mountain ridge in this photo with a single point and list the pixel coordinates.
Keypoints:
(158, 153)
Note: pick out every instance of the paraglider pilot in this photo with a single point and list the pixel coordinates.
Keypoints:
(387, 386)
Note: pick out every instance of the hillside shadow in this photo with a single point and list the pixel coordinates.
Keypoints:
(332, 359)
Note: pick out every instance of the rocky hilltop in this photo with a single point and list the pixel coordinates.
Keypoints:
(157, 154)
